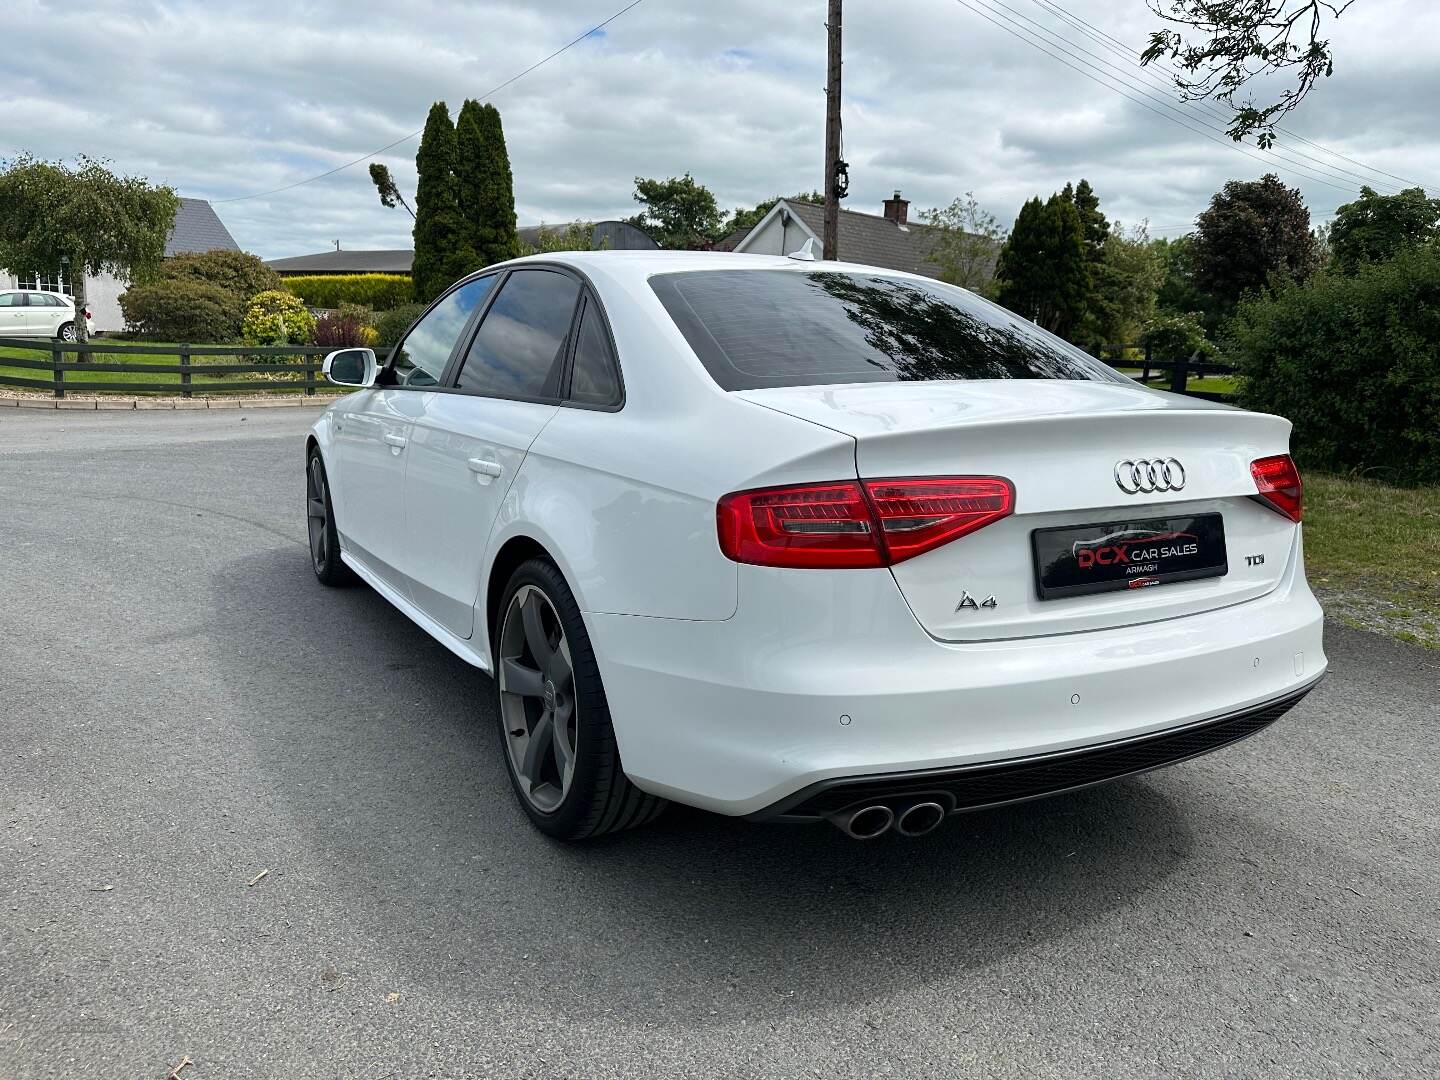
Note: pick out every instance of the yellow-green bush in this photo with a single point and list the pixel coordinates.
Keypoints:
(277, 318)
(379, 291)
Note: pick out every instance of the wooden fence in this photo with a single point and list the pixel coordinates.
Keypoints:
(281, 361)
(1180, 371)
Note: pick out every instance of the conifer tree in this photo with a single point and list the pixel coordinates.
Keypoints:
(1042, 269)
(444, 251)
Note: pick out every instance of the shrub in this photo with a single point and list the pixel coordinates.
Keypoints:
(235, 271)
(341, 330)
(395, 322)
(1354, 362)
(183, 310)
(1174, 336)
(277, 318)
(378, 291)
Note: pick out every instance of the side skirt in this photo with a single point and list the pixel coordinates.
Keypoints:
(462, 648)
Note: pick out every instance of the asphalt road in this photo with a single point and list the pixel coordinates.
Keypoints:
(182, 707)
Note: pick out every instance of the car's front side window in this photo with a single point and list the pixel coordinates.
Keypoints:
(421, 356)
(10, 299)
(519, 350)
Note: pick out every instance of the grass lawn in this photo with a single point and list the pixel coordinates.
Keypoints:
(1373, 555)
(1209, 384)
(120, 378)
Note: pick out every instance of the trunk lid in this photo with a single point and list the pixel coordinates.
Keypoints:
(1059, 443)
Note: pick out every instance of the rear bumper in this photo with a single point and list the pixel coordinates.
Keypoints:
(825, 676)
(999, 783)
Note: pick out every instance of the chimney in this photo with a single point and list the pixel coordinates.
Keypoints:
(897, 209)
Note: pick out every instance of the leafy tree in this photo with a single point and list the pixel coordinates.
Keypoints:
(1124, 285)
(84, 219)
(1236, 40)
(487, 188)
(678, 212)
(1178, 292)
(238, 272)
(389, 191)
(748, 219)
(1252, 230)
(965, 241)
(1042, 272)
(1354, 361)
(1376, 227)
(443, 250)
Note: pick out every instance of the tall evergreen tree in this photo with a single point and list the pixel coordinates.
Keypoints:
(443, 249)
(1092, 220)
(1042, 269)
(487, 188)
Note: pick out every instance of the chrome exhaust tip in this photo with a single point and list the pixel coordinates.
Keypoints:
(920, 818)
(867, 823)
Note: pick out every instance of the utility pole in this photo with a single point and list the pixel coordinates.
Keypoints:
(831, 240)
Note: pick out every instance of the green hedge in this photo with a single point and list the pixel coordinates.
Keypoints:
(1354, 362)
(379, 291)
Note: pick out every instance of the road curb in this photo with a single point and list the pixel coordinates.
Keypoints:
(108, 404)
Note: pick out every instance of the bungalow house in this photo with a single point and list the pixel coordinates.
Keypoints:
(616, 235)
(197, 228)
(888, 239)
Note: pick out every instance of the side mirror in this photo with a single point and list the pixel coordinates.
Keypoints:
(351, 367)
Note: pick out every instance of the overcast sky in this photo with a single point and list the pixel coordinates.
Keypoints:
(225, 99)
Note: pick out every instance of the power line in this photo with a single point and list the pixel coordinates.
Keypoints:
(484, 97)
(1115, 45)
(988, 15)
(1345, 176)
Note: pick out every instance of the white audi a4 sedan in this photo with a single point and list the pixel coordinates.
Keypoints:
(802, 541)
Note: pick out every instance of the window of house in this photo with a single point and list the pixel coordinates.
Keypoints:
(55, 283)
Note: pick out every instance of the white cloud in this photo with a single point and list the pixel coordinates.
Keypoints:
(221, 100)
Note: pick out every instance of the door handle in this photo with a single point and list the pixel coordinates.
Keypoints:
(485, 467)
(395, 440)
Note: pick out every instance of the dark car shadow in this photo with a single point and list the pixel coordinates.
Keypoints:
(381, 752)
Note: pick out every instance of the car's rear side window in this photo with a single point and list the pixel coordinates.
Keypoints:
(758, 328)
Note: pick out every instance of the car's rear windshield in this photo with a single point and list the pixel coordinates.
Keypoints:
(759, 328)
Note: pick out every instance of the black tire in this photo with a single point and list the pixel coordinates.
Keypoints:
(66, 332)
(320, 522)
(599, 798)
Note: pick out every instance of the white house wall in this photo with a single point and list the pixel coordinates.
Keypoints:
(776, 236)
(102, 294)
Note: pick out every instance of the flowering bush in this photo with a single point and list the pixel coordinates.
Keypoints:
(275, 317)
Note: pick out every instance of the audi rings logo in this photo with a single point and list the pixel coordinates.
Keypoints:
(1146, 475)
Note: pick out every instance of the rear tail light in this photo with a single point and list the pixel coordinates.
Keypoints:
(852, 524)
(1278, 482)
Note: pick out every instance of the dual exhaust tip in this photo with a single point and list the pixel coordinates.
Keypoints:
(874, 821)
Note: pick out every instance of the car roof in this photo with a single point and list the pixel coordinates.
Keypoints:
(636, 266)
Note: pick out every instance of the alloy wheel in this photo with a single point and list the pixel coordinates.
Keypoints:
(315, 509)
(68, 332)
(537, 698)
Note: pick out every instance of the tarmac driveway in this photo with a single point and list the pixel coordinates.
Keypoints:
(182, 708)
